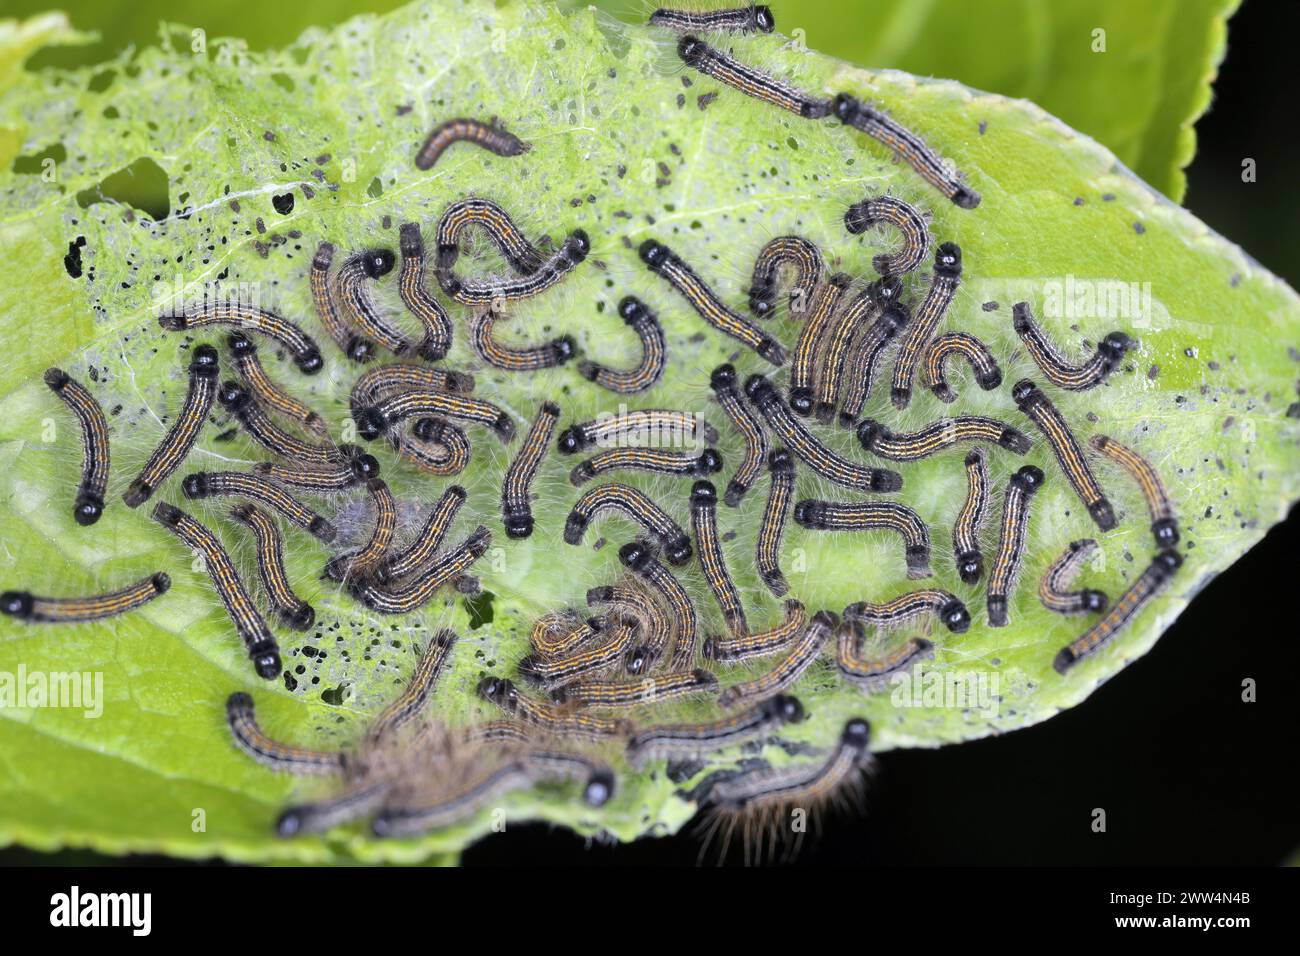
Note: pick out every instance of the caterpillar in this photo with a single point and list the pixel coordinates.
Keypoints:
(937, 436)
(640, 559)
(698, 55)
(89, 504)
(688, 741)
(907, 146)
(373, 552)
(555, 671)
(642, 427)
(490, 136)
(417, 298)
(532, 358)
(1164, 525)
(241, 718)
(724, 384)
(1150, 583)
(987, 374)
(259, 426)
(358, 305)
(945, 606)
(419, 689)
(637, 691)
(436, 446)
(868, 516)
(654, 353)
(418, 588)
(809, 449)
(749, 19)
(673, 463)
(1011, 545)
(891, 319)
(491, 292)
(377, 418)
(427, 540)
(184, 431)
(516, 510)
(974, 509)
(1059, 370)
(265, 391)
(767, 558)
(799, 657)
(559, 721)
(805, 261)
(521, 255)
(356, 347)
(902, 216)
(825, 302)
(355, 468)
(745, 646)
(301, 346)
(704, 523)
(669, 265)
(252, 629)
(636, 505)
(217, 484)
(51, 610)
(872, 674)
(1065, 447)
(935, 305)
(1053, 589)
(291, 609)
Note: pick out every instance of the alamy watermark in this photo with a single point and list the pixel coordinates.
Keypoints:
(67, 690)
(979, 691)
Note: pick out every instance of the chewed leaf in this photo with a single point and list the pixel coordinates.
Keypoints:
(261, 157)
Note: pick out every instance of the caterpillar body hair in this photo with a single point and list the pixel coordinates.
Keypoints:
(636, 505)
(724, 383)
(356, 347)
(668, 265)
(413, 700)
(1054, 588)
(674, 463)
(690, 741)
(489, 292)
(762, 643)
(382, 380)
(873, 674)
(419, 587)
(803, 366)
(945, 606)
(933, 308)
(356, 801)
(291, 609)
(457, 797)
(1055, 366)
(559, 633)
(654, 353)
(89, 504)
(564, 722)
(1164, 524)
(184, 431)
(379, 417)
(1038, 407)
(478, 213)
(490, 136)
(974, 509)
(582, 663)
(870, 516)
(508, 358)
(373, 552)
(1011, 545)
(355, 468)
(804, 260)
(638, 428)
(435, 446)
(758, 801)
(219, 484)
(798, 658)
(938, 436)
(708, 545)
(427, 540)
(911, 225)
(260, 427)
(748, 19)
(267, 392)
(809, 449)
(640, 559)
(418, 300)
(249, 625)
(26, 606)
(301, 346)
(633, 692)
(516, 509)
(241, 718)
(767, 558)
(907, 146)
(1129, 604)
(726, 69)
(869, 348)
(987, 373)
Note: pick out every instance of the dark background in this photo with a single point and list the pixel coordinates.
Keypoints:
(1187, 773)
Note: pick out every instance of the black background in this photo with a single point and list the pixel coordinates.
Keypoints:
(1187, 773)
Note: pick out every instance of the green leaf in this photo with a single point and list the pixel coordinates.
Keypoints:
(602, 105)
(1140, 96)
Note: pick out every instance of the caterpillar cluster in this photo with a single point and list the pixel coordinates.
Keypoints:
(590, 684)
